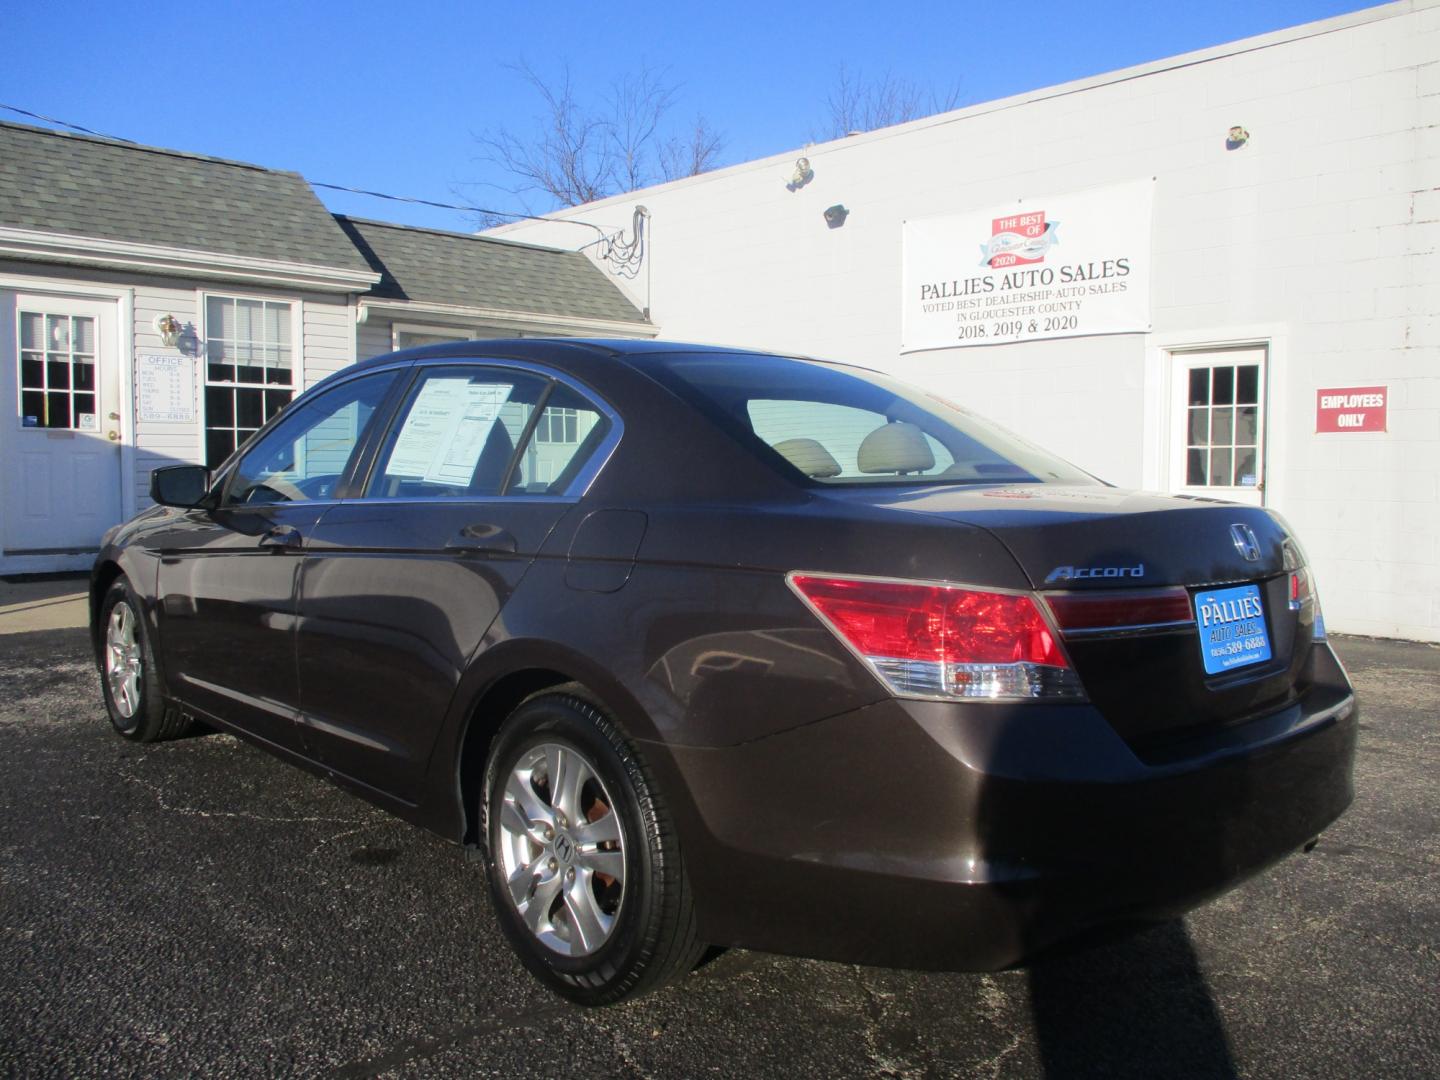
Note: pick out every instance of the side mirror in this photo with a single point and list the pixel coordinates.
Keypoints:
(184, 486)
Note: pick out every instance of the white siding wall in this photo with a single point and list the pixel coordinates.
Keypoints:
(329, 334)
(372, 338)
(1322, 237)
(328, 343)
(155, 444)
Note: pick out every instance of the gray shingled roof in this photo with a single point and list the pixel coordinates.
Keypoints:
(431, 266)
(99, 188)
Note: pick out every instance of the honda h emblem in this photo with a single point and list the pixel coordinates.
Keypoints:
(1245, 542)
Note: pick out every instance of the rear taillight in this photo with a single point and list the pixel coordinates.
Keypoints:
(1302, 593)
(946, 641)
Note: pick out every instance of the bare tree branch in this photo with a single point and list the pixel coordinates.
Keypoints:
(697, 152)
(579, 152)
(857, 104)
(570, 159)
(637, 104)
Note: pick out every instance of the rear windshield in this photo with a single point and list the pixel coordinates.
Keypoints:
(843, 425)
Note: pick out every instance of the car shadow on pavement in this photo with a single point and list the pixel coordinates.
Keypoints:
(1138, 1007)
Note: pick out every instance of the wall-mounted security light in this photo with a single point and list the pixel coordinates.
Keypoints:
(835, 215)
(169, 329)
(1237, 138)
(802, 175)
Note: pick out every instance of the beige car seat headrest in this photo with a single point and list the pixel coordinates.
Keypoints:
(809, 457)
(895, 448)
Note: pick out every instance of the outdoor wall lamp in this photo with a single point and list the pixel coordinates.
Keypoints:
(1237, 138)
(169, 329)
(802, 175)
(835, 215)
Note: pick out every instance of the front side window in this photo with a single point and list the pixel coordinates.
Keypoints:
(305, 455)
(249, 369)
(474, 432)
(842, 425)
(57, 371)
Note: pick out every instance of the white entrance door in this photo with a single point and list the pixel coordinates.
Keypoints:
(60, 432)
(1217, 423)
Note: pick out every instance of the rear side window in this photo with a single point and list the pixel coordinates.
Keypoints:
(842, 425)
(823, 440)
(480, 432)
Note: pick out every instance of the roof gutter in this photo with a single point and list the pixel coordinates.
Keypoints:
(504, 319)
(182, 262)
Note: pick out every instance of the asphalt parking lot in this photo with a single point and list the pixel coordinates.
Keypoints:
(198, 908)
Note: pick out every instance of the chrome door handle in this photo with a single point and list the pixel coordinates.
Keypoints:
(488, 538)
(281, 538)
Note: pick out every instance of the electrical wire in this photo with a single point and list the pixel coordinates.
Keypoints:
(64, 123)
(604, 237)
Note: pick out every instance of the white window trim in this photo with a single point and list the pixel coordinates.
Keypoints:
(1159, 423)
(297, 338)
(461, 333)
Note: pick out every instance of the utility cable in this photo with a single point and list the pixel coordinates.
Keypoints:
(603, 235)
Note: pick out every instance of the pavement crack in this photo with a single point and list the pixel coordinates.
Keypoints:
(351, 832)
(419, 1048)
(998, 1061)
(882, 1038)
(241, 815)
(622, 1047)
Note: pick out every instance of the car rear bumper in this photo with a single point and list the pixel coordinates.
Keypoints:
(931, 835)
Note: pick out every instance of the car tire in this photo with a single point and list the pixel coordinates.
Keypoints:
(582, 856)
(128, 677)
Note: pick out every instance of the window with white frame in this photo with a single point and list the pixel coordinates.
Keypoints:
(57, 371)
(557, 426)
(409, 339)
(249, 369)
(1222, 425)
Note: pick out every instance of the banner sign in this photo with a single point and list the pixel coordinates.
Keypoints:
(1351, 408)
(1064, 266)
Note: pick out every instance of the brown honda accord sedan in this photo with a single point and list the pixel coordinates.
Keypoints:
(698, 646)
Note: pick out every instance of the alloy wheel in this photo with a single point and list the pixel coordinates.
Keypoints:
(124, 659)
(561, 850)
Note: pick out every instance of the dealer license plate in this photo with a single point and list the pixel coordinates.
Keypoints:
(1232, 628)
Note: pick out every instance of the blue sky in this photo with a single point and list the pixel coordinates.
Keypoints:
(389, 96)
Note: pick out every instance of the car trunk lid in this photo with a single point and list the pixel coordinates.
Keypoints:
(1159, 556)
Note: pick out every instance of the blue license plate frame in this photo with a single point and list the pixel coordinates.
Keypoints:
(1233, 629)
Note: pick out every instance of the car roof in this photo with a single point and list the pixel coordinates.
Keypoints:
(541, 348)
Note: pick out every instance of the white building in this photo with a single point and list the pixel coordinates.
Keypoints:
(1271, 209)
(157, 307)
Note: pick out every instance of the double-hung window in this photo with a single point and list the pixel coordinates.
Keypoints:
(249, 369)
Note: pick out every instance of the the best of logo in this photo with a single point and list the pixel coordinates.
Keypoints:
(1018, 240)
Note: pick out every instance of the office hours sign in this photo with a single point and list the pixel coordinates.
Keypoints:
(1065, 266)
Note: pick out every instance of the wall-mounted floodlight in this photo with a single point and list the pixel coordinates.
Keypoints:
(802, 175)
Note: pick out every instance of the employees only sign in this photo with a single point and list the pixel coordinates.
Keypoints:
(1351, 408)
(1064, 266)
